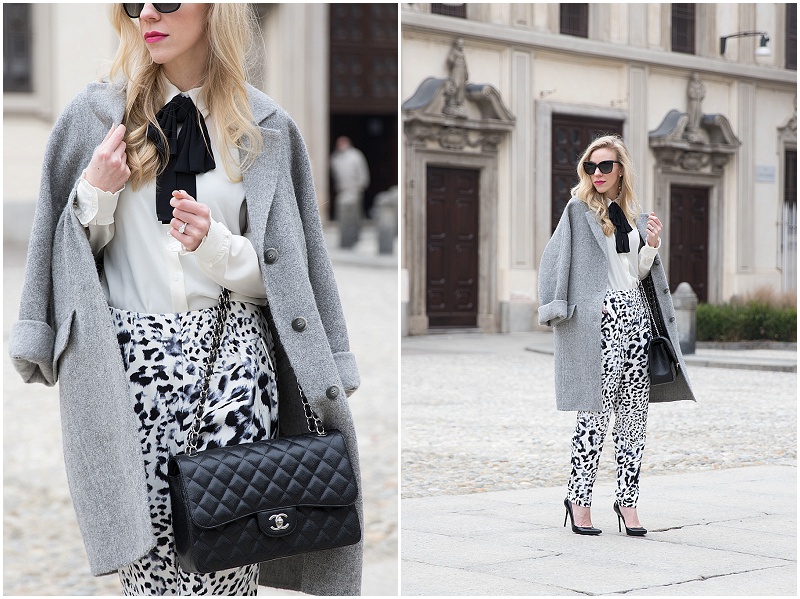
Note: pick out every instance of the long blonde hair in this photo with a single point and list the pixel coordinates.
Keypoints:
(229, 28)
(587, 193)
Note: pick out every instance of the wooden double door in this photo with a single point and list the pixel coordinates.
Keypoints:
(688, 238)
(452, 237)
(571, 135)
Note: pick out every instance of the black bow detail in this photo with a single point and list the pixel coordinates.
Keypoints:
(617, 217)
(189, 151)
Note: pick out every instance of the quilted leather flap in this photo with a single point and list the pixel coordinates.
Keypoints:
(228, 483)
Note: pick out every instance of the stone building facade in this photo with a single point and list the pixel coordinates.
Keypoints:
(487, 170)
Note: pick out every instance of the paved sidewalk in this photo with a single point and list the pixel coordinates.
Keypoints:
(728, 532)
(485, 457)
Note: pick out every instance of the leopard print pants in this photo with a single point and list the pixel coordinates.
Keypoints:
(626, 392)
(164, 357)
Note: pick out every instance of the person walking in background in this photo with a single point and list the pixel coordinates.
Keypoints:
(163, 185)
(351, 179)
(589, 293)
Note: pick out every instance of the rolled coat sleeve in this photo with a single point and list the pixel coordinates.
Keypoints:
(554, 275)
(41, 333)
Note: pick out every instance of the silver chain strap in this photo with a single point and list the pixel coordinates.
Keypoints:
(313, 421)
(653, 324)
(193, 438)
(223, 307)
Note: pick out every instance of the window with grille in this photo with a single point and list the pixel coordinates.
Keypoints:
(791, 36)
(574, 19)
(683, 16)
(363, 58)
(17, 48)
(450, 10)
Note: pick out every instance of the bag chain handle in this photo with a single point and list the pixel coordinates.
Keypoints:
(653, 324)
(193, 438)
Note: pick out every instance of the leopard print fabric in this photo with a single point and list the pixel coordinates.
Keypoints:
(626, 392)
(164, 357)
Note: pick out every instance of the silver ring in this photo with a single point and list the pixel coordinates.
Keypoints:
(182, 228)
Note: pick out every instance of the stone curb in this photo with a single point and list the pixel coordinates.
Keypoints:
(735, 362)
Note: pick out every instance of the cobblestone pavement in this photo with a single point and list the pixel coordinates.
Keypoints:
(42, 550)
(479, 415)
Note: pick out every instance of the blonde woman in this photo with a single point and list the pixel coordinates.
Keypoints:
(588, 292)
(160, 186)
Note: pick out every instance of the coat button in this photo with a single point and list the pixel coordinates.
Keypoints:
(271, 255)
(666, 289)
(672, 319)
(656, 262)
(299, 324)
(332, 392)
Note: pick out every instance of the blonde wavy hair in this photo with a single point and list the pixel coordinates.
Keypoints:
(587, 193)
(229, 28)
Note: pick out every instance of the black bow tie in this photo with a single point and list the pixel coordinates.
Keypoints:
(189, 151)
(617, 217)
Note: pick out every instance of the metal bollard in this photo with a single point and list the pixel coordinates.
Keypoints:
(685, 301)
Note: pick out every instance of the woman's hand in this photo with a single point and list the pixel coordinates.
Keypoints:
(196, 216)
(108, 169)
(653, 229)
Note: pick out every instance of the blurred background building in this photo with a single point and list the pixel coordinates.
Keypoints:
(333, 67)
(500, 100)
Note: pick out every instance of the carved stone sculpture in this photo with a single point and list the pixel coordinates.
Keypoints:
(456, 87)
(696, 92)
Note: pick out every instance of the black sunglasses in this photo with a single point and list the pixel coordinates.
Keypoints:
(134, 10)
(605, 167)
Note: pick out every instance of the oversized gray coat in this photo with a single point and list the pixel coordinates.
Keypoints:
(65, 334)
(573, 279)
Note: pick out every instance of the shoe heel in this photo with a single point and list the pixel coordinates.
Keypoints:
(566, 513)
(619, 523)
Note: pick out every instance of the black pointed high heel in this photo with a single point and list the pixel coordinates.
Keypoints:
(633, 532)
(578, 530)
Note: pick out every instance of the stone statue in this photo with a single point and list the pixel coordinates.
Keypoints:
(696, 93)
(456, 86)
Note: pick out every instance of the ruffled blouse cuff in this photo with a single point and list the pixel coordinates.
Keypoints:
(214, 246)
(95, 206)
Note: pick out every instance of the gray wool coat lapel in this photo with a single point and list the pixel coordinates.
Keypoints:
(598, 234)
(261, 178)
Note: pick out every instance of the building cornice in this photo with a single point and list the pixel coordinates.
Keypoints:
(489, 32)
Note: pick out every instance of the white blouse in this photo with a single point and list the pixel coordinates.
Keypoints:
(148, 271)
(626, 270)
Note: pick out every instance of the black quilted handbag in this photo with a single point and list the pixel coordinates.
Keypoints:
(663, 362)
(239, 505)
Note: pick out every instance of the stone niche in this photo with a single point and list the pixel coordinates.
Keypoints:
(479, 128)
(451, 122)
(693, 149)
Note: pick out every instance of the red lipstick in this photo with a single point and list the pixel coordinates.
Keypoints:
(152, 37)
